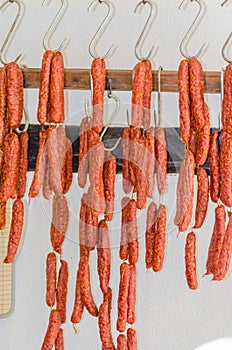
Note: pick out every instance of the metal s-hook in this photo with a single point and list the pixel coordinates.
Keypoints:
(227, 43)
(52, 27)
(16, 20)
(26, 126)
(104, 24)
(193, 27)
(110, 121)
(146, 28)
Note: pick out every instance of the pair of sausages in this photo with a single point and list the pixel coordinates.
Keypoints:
(155, 236)
(128, 342)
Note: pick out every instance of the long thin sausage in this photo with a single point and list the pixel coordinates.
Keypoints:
(83, 153)
(14, 94)
(214, 163)
(202, 197)
(131, 312)
(68, 166)
(132, 339)
(55, 166)
(160, 239)
(109, 177)
(127, 186)
(161, 159)
(98, 72)
(133, 232)
(23, 164)
(123, 296)
(150, 170)
(184, 100)
(59, 344)
(62, 290)
(124, 243)
(203, 139)
(150, 233)
(147, 95)
(104, 256)
(57, 89)
(51, 279)
(190, 261)
(226, 170)
(3, 104)
(52, 330)
(78, 306)
(104, 327)
(137, 94)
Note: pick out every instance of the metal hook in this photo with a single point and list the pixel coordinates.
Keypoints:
(110, 121)
(224, 2)
(107, 19)
(144, 32)
(193, 27)
(52, 27)
(18, 15)
(26, 126)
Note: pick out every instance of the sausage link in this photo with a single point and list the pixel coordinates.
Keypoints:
(122, 342)
(62, 289)
(214, 163)
(150, 233)
(78, 306)
(184, 101)
(161, 159)
(51, 279)
(216, 241)
(55, 166)
(109, 177)
(59, 344)
(14, 94)
(47, 190)
(222, 267)
(160, 239)
(133, 232)
(193, 137)
(68, 166)
(57, 89)
(91, 227)
(137, 94)
(60, 221)
(203, 139)
(133, 156)
(123, 296)
(83, 239)
(132, 339)
(202, 197)
(23, 164)
(150, 169)
(38, 177)
(61, 144)
(2, 215)
(226, 170)
(131, 312)
(147, 95)
(104, 327)
(86, 293)
(127, 186)
(104, 256)
(124, 243)
(44, 90)
(3, 104)
(83, 153)
(15, 230)
(52, 330)
(10, 166)
(141, 175)
(98, 72)
(196, 76)
(227, 100)
(190, 261)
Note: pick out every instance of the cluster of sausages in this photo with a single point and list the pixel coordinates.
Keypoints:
(195, 134)
(13, 154)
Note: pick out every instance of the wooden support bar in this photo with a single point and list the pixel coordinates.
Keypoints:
(79, 79)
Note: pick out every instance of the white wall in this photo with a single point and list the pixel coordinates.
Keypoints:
(169, 315)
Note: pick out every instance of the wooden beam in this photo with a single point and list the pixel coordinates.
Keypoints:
(79, 79)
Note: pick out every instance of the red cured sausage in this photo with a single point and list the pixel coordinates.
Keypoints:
(40, 166)
(86, 293)
(227, 100)
(10, 166)
(160, 239)
(104, 256)
(51, 279)
(161, 159)
(57, 89)
(2, 215)
(147, 95)
(214, 163)
(202, 197)
(226, 170)
(104, 327)
(124, 247)
(138, 94)
(98, 72)
(47, 191)
(83, 153)
(52, 330)
(217, 238)
(184, 100)
(133, 232)
(3, 104)
(141, 174)
(14, 94)
(131, 312)
(132, 339)
(15, 230)
(44, 90)
(134, 142)
(203, 139)
(109, 177)
(193, 137)
(23, 164)
(62, 289)
(55, 165)
(122, 342)
(150, 168)
(83, 239)
(197, 92)
(150, 233)
(123, 296)
(68, 166)
(59, 344)
(60, 221)
(61, 144)
(190, 261)
(91, 227)
(127, 186)
(78, 307)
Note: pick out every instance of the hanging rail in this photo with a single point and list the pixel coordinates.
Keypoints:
(79, 79)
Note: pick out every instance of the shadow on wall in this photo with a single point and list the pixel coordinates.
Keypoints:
(222, 344)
